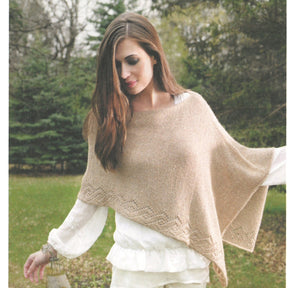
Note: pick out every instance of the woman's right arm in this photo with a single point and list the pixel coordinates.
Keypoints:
(81, 228)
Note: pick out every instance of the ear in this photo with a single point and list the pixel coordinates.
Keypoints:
(154, 61)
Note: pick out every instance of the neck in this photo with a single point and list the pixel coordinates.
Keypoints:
(152, 98)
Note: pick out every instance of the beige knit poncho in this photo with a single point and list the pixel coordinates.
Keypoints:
(182, 175)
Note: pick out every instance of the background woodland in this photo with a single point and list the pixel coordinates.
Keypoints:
(232, 52)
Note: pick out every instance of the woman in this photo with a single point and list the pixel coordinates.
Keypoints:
(180, 185)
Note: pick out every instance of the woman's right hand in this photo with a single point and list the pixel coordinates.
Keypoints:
(35, 263)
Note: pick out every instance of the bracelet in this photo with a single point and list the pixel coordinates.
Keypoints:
(48, 249)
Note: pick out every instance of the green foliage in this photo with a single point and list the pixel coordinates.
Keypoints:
(49, 93)
(174, 46)
(102, 16)
(104, 13)
(232, 52)
(15, 20)
(47, 110)
(236, 60)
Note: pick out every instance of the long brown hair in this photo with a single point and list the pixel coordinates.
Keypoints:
(110, 105)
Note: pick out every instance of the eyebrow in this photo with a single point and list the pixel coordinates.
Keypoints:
(131, 55)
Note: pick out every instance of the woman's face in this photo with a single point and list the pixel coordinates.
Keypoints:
(134, 66)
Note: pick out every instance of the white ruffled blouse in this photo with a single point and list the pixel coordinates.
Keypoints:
(138, 249)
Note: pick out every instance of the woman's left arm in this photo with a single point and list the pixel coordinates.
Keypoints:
(277, 173)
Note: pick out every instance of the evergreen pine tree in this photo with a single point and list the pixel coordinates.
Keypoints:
(104, 13)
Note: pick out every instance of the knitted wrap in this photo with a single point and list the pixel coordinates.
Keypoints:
(184, 176)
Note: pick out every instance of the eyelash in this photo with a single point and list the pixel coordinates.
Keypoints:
(131, 62)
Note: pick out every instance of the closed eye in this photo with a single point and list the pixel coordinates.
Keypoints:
(132, 61)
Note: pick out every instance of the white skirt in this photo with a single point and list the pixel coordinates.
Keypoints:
(140, 279)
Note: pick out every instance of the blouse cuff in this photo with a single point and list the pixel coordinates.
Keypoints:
(277, 173)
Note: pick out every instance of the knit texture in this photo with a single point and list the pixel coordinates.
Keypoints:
(184, 176)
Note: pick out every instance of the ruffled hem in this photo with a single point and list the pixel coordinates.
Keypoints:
(134, 279)
(163, 260)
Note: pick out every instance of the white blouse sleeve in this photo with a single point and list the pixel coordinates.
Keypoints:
(277, 173)
(81, 228)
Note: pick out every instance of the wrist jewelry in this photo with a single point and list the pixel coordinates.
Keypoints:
(48, 249)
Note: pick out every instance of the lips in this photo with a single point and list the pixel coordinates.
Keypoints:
(130, 84)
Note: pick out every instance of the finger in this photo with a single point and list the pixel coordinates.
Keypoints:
(31, 270)
(36, 276)
(27, 266)
(31, 277)
(41, 272)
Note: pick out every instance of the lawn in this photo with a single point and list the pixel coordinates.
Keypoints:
(38, 204)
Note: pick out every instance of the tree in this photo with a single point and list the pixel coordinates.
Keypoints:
(23, 29)
(49, 88)
(66, 28)
(236, 51)
(55, 24)
(46, 115)
(174, 45)
(103, 14)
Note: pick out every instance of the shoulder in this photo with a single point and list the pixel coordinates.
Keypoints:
(191, 98)
(195, 105)
(196, 96)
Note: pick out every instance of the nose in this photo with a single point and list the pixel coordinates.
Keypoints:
(125, 71)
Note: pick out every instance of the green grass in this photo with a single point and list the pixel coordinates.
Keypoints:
(37, 205)
(276, 202)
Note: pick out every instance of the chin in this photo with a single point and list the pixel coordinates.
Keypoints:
(134, 92)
